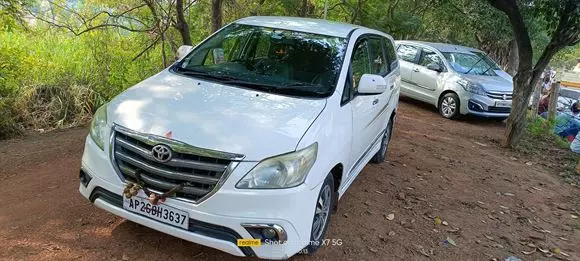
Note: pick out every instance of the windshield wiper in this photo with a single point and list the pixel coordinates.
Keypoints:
(473, 66)
(483, 73)
(199, 73)
(293, 85)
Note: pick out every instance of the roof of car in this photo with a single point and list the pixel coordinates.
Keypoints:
(308, 25)
(443, 47)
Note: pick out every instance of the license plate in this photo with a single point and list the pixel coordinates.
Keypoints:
(503, 104)
(161, 212)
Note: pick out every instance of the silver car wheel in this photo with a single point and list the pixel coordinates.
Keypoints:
(322, 212)
(448, 107)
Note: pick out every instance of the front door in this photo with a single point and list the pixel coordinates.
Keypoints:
(425, 79)
(369, 111)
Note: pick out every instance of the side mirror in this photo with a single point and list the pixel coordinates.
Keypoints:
(372, 84)
(435, 67)
(183, 50)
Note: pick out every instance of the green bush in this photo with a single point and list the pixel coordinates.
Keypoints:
(51, 79)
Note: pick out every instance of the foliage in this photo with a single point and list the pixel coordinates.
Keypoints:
(50, 80)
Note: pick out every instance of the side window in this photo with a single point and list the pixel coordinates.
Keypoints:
(391, 55)
(407, 53)
(379, 64)
(262, 47)
(360, 62)
(429, 57)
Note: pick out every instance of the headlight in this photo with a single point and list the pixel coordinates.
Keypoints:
(471, 87)
(99, 126)
(284, 171)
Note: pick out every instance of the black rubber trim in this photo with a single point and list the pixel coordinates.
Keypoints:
(84, 178)
(107, 196)
(195, 226)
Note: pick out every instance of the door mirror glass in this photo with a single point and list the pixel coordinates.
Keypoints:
(372, 84)
(183, 50)
(434, 67)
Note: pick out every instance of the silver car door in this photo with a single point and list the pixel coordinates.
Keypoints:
(427, 75)
(407, 57)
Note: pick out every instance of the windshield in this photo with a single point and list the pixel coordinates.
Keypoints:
(471, 63)
(271, 60)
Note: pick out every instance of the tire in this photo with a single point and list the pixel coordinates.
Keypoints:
(381, 155)
(317, 233)
(500, 119)
(449, 106)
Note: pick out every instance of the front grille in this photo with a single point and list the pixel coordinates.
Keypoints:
(499, 109)
(199, 174)
(500, 95)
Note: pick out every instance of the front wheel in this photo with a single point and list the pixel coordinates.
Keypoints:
(321, 218)
(449, 106)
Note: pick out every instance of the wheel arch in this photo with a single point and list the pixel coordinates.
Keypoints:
(337, 173)
(445, 93)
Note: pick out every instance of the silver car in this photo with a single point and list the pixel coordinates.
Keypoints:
(458, 80)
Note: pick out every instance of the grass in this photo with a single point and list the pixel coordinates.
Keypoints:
(541, 144)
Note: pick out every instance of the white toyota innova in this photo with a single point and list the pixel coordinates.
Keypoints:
(247, 142)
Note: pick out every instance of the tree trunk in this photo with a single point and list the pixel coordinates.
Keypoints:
(182, 25)
(216, 15)
(516, 122)
(303, 12)
(536, 99)
(513, 60)
(554, 91)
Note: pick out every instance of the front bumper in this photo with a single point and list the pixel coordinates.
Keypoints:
(217, 221)
(483, 106)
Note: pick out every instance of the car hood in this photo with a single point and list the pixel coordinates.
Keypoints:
(491, 83)
(215, 116)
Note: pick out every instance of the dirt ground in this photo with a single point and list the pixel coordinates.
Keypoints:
(492, 202)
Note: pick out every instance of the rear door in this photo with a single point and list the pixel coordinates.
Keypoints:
(408, 55)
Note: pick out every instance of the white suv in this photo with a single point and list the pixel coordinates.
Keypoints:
(246, 143)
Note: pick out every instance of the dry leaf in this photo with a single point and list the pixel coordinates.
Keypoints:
(390, 216)
(437, 221)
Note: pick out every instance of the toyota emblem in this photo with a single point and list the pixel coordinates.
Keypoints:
(161, 153)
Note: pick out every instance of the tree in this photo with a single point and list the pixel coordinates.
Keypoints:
(566, 33)
(216, 17)
(153, 18)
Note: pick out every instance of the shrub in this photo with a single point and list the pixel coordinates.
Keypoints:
(51, 79)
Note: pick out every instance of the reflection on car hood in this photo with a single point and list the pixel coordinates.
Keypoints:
(215, 116)
(491, 83)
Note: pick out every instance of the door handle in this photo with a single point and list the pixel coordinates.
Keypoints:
(416, 70)
(392, 86)
(375, 101)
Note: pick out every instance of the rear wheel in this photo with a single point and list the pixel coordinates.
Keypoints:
(382, 153)
(449, 106)
(321, 218)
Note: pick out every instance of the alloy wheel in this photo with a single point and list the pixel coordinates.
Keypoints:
(448, 107)
(322, 212)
